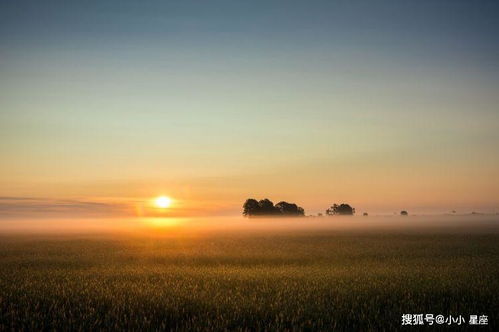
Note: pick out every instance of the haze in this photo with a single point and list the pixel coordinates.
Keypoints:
(239, 226)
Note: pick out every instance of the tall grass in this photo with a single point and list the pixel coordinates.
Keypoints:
(297, 281)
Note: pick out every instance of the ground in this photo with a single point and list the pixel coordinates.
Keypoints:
(328, 280)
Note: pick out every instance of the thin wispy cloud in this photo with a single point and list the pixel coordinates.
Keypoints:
(34, 206)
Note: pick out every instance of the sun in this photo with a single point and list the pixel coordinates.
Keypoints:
(163, 202)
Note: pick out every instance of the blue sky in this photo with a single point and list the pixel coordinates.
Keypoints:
(216, 101)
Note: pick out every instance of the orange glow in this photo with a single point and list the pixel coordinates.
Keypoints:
(162, 223)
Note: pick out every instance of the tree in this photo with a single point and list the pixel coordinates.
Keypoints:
(265, 207)
(289, 209)
(301, 211)
(342, 209)
(250, 207)
(404, 213)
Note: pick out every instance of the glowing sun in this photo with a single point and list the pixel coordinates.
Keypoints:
(163, 202)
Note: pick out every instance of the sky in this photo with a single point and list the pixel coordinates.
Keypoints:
(386, 105)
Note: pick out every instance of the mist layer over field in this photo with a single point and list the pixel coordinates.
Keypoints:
(185, 226)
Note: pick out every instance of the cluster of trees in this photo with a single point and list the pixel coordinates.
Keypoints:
(340, 209)
(265, 207)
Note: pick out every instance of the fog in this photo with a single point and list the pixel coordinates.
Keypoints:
(240, 225)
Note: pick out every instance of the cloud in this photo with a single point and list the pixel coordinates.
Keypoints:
(44, 207)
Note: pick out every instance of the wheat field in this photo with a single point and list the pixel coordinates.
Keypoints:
(300, 280)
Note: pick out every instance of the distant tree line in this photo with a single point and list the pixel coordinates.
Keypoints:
(265, 207)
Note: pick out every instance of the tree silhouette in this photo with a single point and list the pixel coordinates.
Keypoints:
(250, 207)
(341, 209)
(289, 209)
(265, 207)
(404, 213)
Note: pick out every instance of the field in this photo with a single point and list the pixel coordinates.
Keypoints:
(302, 280)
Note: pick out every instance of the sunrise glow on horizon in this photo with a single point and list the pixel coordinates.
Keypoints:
(386, 106)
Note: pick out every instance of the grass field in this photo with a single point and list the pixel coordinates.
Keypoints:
(326, 280)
